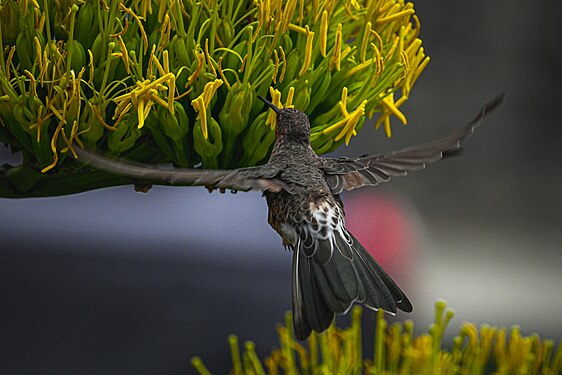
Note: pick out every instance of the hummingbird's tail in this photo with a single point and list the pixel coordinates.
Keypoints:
(339, 273)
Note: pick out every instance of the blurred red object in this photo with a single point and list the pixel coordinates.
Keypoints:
(384, 227)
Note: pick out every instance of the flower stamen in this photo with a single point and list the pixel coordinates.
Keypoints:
(201, 103)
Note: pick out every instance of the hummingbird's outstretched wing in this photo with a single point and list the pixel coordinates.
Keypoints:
(262, 177)
(370, 170)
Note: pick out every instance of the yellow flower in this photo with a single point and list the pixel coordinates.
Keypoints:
(349, 121)
(141, 55)
(276, 100)
(398, 350)
(201, 103)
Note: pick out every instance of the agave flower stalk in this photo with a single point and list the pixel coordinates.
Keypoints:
(175, 81)
(397, 350)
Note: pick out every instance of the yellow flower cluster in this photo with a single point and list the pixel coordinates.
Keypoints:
(397, 350)
(372, 51)
(184, 75)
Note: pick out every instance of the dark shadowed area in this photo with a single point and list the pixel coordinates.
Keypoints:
(118, 282)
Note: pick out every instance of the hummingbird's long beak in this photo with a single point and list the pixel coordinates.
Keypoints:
(269, 104)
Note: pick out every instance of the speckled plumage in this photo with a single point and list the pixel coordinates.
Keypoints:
(331, 269)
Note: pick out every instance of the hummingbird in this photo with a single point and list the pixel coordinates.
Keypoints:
(331, 270)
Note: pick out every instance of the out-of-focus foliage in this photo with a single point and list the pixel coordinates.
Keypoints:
(397, 350)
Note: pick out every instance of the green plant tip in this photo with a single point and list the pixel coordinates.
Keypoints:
(474, 351)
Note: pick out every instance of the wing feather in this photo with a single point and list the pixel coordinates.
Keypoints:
(263, 178)
(370, 170)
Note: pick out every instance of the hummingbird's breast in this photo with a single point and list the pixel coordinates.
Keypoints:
(288, 211)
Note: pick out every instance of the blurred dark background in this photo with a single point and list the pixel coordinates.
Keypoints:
(117, 282)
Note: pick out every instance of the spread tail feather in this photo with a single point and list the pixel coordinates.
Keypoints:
(332, 279)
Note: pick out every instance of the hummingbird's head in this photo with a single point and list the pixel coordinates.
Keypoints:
(291, 124)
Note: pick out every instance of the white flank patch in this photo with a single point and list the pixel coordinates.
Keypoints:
(327, 223)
